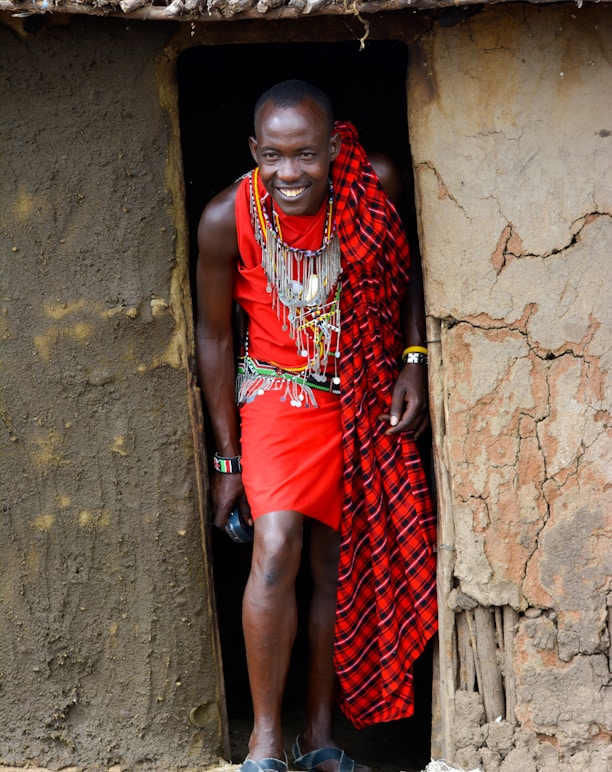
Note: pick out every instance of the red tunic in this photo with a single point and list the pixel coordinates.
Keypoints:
(291, 457)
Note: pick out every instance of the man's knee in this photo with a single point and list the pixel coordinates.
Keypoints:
(277, 548)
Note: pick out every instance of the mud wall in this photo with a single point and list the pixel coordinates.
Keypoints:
(106, 637)
(511, 134)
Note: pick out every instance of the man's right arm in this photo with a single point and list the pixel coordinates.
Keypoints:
(217, 256)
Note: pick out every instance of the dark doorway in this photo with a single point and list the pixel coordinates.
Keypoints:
(218, 86)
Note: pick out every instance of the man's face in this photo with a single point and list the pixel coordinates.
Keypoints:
(293, 149)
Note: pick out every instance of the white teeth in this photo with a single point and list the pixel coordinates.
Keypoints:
(291, 192)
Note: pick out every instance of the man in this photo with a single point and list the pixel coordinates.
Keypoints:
(321, 445)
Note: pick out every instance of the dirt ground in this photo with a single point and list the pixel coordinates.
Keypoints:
(378, 747)
(385, 748)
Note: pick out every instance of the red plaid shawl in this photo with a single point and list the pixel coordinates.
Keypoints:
(386, 602)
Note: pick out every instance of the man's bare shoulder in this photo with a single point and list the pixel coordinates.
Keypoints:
(388, 174)
(220, 211)
(217, 226)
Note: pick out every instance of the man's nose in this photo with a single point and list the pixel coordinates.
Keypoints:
(289, 170)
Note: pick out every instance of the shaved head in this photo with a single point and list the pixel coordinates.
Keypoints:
(291, 93)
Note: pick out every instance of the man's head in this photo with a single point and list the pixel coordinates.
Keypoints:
(291, 93)
(294, 145)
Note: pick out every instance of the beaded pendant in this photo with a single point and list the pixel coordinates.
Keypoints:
(304, 285)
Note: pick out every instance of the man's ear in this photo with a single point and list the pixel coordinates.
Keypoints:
(253, 148)
(334, 146)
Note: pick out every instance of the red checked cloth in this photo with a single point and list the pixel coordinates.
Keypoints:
(386, 600)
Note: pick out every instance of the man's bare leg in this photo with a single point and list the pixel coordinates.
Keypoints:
(269, 618)
(322, 685)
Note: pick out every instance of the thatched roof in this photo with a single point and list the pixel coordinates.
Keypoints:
(211, 10)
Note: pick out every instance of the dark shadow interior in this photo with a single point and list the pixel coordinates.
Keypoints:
(218, 86)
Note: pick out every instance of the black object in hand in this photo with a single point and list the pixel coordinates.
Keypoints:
(237, 529)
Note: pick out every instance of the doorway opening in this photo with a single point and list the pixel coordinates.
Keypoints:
(218, 87)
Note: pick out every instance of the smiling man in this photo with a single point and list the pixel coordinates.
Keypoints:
(331, 391)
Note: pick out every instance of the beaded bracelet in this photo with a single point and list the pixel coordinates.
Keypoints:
(229, 465)
(414, 355)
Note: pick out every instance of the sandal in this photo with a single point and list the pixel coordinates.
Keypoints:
(310, 761)
(265, 765)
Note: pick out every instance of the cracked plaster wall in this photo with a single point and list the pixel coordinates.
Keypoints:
(511, 136)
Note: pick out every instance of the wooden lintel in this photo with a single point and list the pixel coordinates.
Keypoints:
(234, 10)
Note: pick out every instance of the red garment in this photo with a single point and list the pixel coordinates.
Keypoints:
(291, 457)
(386, 601)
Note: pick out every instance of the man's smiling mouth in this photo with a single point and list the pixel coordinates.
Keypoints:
(291, 192)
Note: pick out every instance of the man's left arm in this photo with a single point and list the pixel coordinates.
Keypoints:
(409, 404)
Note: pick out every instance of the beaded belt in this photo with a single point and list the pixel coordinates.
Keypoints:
(256, 377)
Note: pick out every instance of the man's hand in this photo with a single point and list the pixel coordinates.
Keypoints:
(409, 403)
(228, 492)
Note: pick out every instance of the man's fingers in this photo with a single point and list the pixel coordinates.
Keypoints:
(245, 511)
(398, 406)
(412, 420)
(220, 520)
(402, 425)
(420, 425)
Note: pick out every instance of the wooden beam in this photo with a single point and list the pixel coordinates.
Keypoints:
(220, 10)
(443, 735)
(489, 677)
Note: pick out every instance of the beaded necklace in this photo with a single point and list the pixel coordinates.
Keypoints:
(304, 285)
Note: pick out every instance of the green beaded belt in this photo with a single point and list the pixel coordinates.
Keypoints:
(256, 377)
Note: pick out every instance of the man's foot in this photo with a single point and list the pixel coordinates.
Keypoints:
(265, 765)
(329, 759)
